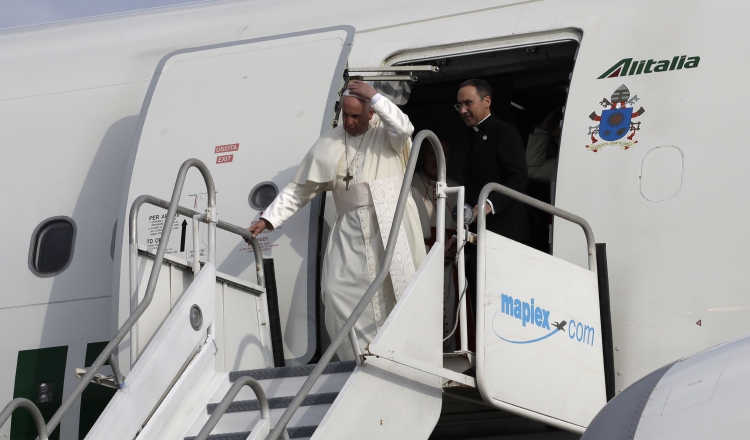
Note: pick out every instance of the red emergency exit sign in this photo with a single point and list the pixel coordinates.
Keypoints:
(226, 148)
(225, 159)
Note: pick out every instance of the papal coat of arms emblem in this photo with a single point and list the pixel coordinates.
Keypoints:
(615, 122)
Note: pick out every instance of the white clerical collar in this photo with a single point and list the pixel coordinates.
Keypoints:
(476, 127)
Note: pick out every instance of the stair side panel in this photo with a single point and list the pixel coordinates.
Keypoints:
(383, 399)
(161, 363)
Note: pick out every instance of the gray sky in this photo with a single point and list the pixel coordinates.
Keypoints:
(27, 12)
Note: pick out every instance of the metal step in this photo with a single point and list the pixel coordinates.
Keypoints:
(310, 415)
(289, 386)
(298, 371)
(286, 381)
(276, 403)
(280, 385)
(296, 432)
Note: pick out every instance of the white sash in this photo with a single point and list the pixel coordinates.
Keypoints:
(385, 194)
(357, 195)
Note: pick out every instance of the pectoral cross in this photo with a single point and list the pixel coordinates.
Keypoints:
(347, 179)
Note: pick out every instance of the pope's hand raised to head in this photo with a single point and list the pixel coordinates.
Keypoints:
(258, 227)
(361, 89)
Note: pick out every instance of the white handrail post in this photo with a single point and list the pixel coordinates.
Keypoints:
(133, 264)
(355, 346)
(460, 237)
(197, 244)
(440, 219)
(212, 218)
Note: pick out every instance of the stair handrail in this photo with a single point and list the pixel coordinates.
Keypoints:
(20, 402)
(222, 407)
(345, 330)
(135, 209)
(534, 203)
(481, 262)
(153, 278)
(226, 226)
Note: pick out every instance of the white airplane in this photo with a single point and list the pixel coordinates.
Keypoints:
(100, 111)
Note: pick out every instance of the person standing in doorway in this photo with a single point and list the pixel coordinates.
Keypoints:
(496, 154)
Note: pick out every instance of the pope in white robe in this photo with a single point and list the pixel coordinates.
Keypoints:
(367, 152)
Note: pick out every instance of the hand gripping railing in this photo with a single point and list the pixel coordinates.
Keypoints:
(222, 407)
(151, 286)
(151, 200)
(133, 231)
(35, 414)
(345, 330)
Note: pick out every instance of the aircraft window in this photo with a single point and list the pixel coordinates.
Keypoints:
(262, 195)
(661, 173)
(52, 246)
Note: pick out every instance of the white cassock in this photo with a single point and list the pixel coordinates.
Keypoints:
(376, 160)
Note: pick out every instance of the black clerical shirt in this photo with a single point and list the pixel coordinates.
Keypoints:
(497, 154)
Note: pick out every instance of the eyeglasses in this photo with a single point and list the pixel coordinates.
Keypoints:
(460, 105)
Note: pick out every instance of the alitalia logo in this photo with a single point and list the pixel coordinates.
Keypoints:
(629, 67)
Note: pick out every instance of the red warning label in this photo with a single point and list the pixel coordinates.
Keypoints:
(226, 148)
(225, 159)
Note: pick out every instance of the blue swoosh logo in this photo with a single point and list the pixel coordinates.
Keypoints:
(528, 342)
(521, 342)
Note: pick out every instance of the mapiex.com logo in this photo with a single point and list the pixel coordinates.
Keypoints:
(534, 323)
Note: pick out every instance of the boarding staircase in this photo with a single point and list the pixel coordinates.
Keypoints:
(281, 384)
(394, 388)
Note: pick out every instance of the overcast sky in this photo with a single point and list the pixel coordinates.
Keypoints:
(27, 12)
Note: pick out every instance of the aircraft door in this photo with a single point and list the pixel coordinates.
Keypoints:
(539, 336)
(250, 110)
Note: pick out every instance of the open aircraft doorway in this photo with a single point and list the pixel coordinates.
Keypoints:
(529, 76)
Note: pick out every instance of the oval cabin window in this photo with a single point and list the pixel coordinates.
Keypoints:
(661, 174)
(52, 246)
(262, 195)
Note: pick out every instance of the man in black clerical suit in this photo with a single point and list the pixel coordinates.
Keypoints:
(496, 154)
